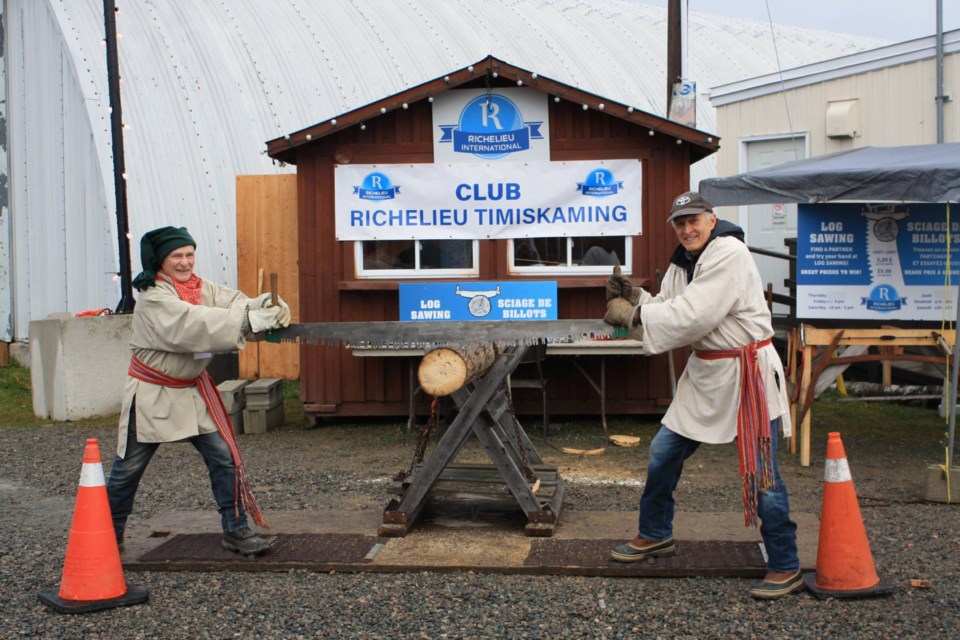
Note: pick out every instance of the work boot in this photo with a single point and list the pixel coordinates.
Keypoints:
(244, 541)
(641, 549)
(776, 585)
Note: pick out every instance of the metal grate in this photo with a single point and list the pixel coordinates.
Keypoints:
(307, 549)
(693, 558)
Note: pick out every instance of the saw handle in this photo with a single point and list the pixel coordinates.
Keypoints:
(274, 285)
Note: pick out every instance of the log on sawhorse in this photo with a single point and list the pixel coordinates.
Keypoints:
(484, 410)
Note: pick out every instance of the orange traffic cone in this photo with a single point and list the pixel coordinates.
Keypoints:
(845, 566)
(92, 574)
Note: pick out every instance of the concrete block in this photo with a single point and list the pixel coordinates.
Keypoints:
(234, 399)
(262, 420)
(264, 394)
(20, 352)
(935, 485)
(78, 366)
(236, 419)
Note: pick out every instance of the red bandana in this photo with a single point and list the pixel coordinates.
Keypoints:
(189, 291)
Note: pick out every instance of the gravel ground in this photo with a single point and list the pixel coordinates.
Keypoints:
(340, 466)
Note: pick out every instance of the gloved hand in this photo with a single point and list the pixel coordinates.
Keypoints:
(619, 286)
(621, 313)
(285, 315)
(262, 301)
(269, 318)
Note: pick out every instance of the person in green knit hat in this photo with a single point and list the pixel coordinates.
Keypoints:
(179, 322)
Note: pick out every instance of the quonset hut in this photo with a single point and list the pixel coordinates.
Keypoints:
(205, 84)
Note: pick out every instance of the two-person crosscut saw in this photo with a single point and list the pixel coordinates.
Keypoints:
(394, 333)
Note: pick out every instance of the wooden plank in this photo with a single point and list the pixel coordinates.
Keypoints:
(267, 243)
(247, 280)
(278, 254)
(805, 426)
(813, 336)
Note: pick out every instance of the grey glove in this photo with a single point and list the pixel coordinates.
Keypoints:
(269, 318)
(621, 313)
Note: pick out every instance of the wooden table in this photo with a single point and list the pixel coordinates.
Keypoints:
(890, 342)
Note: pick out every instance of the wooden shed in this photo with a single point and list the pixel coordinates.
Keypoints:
(338, 283)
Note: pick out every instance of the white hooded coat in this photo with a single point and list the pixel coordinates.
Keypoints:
(722, 307)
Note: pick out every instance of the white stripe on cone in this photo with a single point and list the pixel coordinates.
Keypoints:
(91, 475)
(837, 471)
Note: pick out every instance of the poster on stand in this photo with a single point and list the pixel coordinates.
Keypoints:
(877, 261)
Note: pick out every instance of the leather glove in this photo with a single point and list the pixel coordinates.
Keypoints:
(619, 286)
(285, 315)
(621, 313)
(262, 301)
(269, 318)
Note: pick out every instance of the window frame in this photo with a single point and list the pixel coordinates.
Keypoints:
(416, 272)
(570, 269)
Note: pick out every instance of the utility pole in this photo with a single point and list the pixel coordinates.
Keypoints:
(119, 181)
(674, 48)
(940, 97)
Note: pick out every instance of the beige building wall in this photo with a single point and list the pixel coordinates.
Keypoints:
(894, 104)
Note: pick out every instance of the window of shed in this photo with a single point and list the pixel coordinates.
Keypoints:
(585, 255)
(412, 258)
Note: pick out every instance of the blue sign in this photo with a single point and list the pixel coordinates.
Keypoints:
(877, 261)
(376, 186)
(883, 298)
(600, 183)
(490, 126)
(471, 300)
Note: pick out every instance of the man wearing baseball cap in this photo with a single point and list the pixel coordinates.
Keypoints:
(712, 300)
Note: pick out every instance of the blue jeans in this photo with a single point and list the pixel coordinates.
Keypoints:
(126, 473)
(668, 451)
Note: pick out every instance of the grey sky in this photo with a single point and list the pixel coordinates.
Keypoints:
(894, 20)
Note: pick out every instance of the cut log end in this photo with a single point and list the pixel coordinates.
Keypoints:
(445, 369)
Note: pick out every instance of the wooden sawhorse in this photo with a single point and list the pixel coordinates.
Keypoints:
(485, 411)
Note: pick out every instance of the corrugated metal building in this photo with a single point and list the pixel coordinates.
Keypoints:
(206, 83)
(880, 97)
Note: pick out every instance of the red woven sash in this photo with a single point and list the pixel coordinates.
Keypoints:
(211, 397)
(754, 436)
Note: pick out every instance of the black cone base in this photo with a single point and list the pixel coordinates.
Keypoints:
(51, 598)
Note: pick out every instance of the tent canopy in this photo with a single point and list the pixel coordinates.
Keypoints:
(915, 173)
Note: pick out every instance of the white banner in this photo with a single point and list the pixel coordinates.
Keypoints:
(488, 201)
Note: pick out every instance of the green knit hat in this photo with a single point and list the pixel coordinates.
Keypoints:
(154, 247)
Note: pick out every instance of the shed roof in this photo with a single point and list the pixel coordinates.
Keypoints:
(703, 143)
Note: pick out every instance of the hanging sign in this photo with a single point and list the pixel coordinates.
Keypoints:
(509, 300)
(877, 261)
(480, 125)
(493, 200)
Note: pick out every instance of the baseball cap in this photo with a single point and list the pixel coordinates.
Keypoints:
(688, 204)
